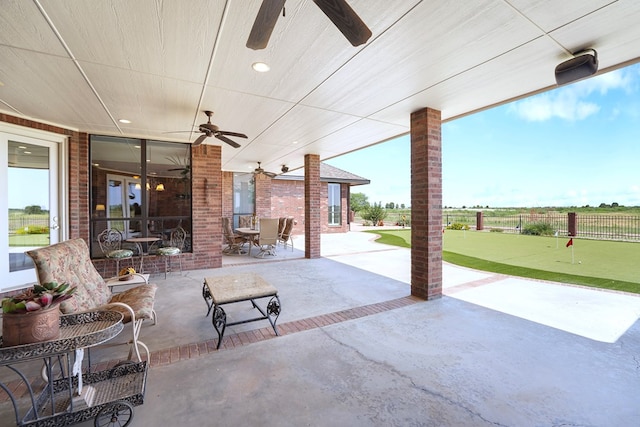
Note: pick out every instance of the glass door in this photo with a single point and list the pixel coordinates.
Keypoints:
(29, 209)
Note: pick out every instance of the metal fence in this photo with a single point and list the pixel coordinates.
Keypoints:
(602, 227)
(21, 222)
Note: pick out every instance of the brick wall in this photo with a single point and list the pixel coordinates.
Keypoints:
(206, 196)
(287, 199)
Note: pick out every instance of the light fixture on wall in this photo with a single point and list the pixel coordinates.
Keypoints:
(148, 186)
(160, 187)
(100, 210)
(582, 65)
(138, 186)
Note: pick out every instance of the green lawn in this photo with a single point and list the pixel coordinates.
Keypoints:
(18, 240)
(597, 263)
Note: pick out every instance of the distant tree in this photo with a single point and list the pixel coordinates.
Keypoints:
(392, 205)
(614, 205)
(603, 205)
(359, 202)
(464, 206)
(402, 206)
(33, 210)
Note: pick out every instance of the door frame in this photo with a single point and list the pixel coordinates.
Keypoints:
(8, 132)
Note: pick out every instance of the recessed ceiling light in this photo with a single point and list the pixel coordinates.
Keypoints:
(260, 67)
(27, 152)
(136, 146)
(294, 142)
(22, 147)
(124, 121)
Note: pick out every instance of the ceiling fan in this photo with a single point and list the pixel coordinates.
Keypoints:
(259, 170)
(208, 129)
(338, 11)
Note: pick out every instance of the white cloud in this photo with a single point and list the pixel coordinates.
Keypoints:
(565, 105)
(570, 102)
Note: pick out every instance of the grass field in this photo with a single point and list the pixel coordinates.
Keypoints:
(18, 240)
(603, 264)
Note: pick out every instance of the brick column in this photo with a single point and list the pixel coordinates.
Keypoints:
(479, 221)
(572, 219)
(206, 236)
(426, 204)
(312, 223)
(263, 196)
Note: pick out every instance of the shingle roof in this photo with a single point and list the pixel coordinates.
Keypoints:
(328, 173)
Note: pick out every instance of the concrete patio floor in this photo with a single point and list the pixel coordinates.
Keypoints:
(356, 350)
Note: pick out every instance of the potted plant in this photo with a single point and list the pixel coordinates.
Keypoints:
(33, 315)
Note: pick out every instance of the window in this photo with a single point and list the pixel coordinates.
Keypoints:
(335, 204)
(141, 188)
(244, 195)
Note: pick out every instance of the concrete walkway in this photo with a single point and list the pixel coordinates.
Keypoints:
(355, 349)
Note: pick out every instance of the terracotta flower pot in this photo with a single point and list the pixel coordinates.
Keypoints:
(30, 327)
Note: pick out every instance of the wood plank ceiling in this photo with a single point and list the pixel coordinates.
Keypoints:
(85, 64)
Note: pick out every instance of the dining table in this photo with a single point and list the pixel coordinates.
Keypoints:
(139, 241)
(251, 234)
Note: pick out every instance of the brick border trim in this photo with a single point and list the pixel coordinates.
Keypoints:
(198, 349)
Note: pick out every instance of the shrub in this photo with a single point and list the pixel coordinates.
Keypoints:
(374, 213)
(458, 226)
(538, 229)
(33, 229)
(496, 230)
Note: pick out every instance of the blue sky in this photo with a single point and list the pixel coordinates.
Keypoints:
(576, 145)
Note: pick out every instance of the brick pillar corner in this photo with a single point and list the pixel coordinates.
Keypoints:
(312, 190)
(426, 204)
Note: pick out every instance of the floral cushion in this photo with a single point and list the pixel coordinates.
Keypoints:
(69, 262)
(168, 250)
(140, 299)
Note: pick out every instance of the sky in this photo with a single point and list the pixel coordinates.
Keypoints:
(576, 145)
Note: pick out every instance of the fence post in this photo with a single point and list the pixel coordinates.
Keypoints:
(479, 221)
(572, 224)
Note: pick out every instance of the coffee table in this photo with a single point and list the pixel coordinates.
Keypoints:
(218, 291)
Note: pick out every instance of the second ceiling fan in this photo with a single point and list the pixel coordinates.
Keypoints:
(209, 129)
(338, 11)
(260, 171)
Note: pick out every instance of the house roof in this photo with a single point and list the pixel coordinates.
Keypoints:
(328, 173)
(84, 65)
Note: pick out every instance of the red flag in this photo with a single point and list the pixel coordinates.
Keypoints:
(570, 242)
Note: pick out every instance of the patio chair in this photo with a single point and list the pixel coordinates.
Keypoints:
(70, 262)
(110, 242)
(282, 221)
(174, 248)
(268, 237)
(234, 241)
(244, 221)
(285, 237)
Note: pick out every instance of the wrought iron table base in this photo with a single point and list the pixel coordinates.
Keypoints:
(219, 317)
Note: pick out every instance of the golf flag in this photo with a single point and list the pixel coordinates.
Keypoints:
(570, 242)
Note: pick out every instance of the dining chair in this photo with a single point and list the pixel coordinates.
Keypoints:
(234, 241)
(268, 237)
(286, 236)
(110, 242)
(174, 248)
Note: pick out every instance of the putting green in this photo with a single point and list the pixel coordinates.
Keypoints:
(593, 258)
